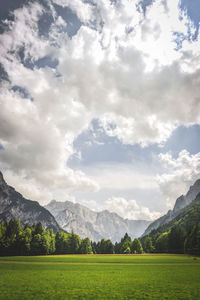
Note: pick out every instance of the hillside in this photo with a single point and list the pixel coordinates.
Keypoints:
(14, 206)
(185, 218)
(180, 203)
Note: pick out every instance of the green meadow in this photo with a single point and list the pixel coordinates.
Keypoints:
(100, 277)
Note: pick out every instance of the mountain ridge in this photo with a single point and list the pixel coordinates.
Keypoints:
(95, 225)
(14, 206)
(186, 218)
(181, 202)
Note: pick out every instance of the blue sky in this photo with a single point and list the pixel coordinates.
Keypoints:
(95, 146)
(100, 102)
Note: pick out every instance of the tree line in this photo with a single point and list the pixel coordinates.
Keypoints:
(16, 239)
(177, 239)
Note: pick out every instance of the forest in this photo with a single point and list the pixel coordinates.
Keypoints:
(16, 239)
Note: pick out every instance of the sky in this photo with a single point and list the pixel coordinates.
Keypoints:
(100, 102)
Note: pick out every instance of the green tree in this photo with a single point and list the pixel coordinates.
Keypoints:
(176, 240)
(162, 243)
(40, 244)
(38, 228)
(13, 228)
(94, 247)
(124, 245)
(117, 247)
(35, 246)
(3, 230)
(74, 243)
(136, 246)
(192, 241)
(148, 245)
(85, 247)
(23, 246)
(3, 243)
(52, 247)
(105, 247)
(62, 242)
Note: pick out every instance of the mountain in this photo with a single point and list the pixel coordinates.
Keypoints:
(95, 225)
(185, 218)
(180, 203)
(14, 206)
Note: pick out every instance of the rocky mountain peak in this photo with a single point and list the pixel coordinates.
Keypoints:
(193, 191)
(197, 183)
(2, 181)
(95, 225)
(14, 206)
(180, 203)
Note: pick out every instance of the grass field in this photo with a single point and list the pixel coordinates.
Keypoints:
(100, 277)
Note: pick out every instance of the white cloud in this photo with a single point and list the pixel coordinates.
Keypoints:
(125, 72)
(121, 176)
(83, 10)
(181, 172)
(23, 33)
(131, 131)
(130, 209)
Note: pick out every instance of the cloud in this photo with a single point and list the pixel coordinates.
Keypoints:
(119, 176)
(130, 209)
(131, 131)
(23, 33)
(120, 67)
(83, 9)
(181, 172)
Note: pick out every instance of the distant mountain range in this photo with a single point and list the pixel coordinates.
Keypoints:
(95, 225)
(67, 216)
(14, 206)
(181, 202)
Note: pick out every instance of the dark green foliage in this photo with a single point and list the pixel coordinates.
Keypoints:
(162, 243)
(24, 242)
(94, 247)
(38, 245)
(186, 218)
(35, 240)
(176, 240)
(105, 247)
(136, 246)
(52, 246)
(124, 246)
(74, 243)
(148, 245)
(61, 243)
(85, 247)
(13, 228)
(192, 241)
(179, 240)
(31, 240)
(38, 228)
(180, 235)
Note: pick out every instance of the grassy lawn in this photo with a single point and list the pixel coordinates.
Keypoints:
(100, 277)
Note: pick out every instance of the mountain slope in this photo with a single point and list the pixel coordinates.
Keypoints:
(14, 205)
(95, 225)
(180, 203)
(185, 218)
